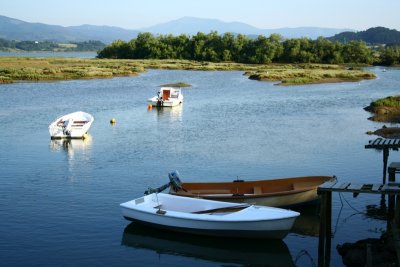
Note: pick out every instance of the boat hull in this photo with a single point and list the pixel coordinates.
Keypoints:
(266, 233)
(156, 103)
(167, 97)
(287, 192)
(71, 126)
(289, 200)
(251, 222)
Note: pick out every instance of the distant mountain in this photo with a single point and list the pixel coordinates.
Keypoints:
(190, 26)
(14, 29)
(377, 35)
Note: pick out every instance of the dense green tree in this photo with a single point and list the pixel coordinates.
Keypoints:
(117, 49)
(238, 54)
(357, 52)
(196, 46)
(261, 50)
(390, 56)
(147, 46)
(228, 43)
(6, 44)
(91, 45)
(291, 51)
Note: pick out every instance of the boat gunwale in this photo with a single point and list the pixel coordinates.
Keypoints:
(147, 208)
(286, 181)
(204, 219)
(233, 196)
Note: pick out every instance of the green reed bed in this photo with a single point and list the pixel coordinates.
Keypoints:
(37, 69)
(390, 101)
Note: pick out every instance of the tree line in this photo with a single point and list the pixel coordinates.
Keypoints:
(50, 46)
(243, 49)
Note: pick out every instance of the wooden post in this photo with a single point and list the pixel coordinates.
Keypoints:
(322, 228)
(393, 167)
(324, 244)
(392, 171)
(385, 159)
(397, 211)
(328, 230)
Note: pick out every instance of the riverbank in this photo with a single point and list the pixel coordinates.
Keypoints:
(385, 110)
(15, 69)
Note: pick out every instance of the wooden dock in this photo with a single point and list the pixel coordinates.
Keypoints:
(391, 189)
(385, 145)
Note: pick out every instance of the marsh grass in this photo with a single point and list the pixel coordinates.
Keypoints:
(390, 101)
(311, 74)
(178, 84)
(38, 69)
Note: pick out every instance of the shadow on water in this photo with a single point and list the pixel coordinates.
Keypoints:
(239, 251)
(307, 223)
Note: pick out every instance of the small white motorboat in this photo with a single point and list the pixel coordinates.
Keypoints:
(209, 217)
(73, 125)
(167, 97)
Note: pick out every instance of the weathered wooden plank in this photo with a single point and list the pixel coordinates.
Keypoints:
(327, 185)
(391, 188)
(377, 187)
(376, 141)
(367, 187)
(355, 186)
(381, 143)
(343, 186)
(395, 166)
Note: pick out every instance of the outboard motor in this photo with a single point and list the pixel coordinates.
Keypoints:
(67, 127)
(174, 180)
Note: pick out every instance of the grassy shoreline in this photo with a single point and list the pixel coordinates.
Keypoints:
(17, 69)
(385, 109)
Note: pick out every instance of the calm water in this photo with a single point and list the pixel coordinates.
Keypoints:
(60, 200)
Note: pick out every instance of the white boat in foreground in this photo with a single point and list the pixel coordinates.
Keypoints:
(73, 125)
(167, 97)
(209, 217)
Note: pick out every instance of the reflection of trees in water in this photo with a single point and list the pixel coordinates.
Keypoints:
(233, 250)
(369, 252)
(378, 212)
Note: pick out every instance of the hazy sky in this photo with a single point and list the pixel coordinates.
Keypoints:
(265, 14)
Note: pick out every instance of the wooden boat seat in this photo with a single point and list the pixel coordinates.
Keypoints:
(210, 191)
(257, 190)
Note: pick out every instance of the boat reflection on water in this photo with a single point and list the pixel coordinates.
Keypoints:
(226, 250)
(307, 223)
(70, 146)
(171, 113)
